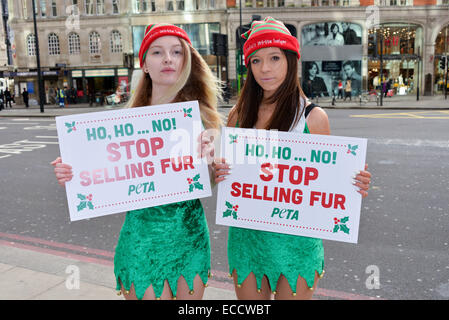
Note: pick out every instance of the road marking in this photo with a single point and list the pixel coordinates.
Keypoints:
(431, 114)
(8, 240)
(1, 128)
(49, 137)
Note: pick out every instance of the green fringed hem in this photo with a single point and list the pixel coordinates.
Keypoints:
(158, 287)
(273, 277)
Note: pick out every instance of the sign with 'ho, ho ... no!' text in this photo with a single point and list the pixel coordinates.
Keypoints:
(132, 158)
(299, 184)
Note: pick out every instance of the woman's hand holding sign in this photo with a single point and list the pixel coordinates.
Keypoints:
(362, 180)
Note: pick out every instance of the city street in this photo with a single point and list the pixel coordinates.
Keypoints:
(404, 229)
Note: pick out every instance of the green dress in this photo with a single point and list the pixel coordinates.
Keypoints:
(162, 243)
(272, 254)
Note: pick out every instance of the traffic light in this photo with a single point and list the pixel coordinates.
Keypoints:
(442, 62)
(372, 45)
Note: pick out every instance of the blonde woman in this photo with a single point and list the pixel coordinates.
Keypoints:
(163, 252)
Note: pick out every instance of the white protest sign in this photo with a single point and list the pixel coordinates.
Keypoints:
(132, 158)
(291, 183)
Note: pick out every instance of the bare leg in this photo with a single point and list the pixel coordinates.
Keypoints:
(303, 292)
(184, 292)
(248, 288)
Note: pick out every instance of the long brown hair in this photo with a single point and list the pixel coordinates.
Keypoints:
(287, 99)
(196, 82)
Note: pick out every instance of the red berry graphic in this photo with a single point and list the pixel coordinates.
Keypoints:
(74, 128)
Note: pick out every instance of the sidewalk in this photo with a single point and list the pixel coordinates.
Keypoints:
(396, 102)
(28, 274)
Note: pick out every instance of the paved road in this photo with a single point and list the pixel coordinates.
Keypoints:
(404, 224)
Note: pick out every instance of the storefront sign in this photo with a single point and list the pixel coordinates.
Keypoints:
(132, 158)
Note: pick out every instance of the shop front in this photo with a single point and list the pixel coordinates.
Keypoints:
(400, 47)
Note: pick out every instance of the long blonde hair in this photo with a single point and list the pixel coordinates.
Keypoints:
(196, 82)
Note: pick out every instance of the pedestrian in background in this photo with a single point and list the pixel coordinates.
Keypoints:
(265, 263)
(8, 98)
(348, 90)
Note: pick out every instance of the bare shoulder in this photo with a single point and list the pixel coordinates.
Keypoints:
(232, 117)
(318, 122)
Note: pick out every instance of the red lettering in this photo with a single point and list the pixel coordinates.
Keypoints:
(127, 145)
(156, 144)
(246, 191)
(340, 201)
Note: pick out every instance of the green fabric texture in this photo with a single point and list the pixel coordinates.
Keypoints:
(163, 243)
(274, 254)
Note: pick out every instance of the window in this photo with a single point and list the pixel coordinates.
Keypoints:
(74, 44)
(31, 45)
(180, 5)
(153, 5)
(53, 45)
(115, 7)
(169, 5)
(136, 6)
(346, 3)
(116, 42)
(100, 7)
(94, 43)
(270, 3)
(325, 3)
(281, 3)
(74, 8)
(43, 5)
(248, 3)
(393, 2)
(89, 6)
(54, 12)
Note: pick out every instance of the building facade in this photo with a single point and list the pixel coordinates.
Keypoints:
(92, 45)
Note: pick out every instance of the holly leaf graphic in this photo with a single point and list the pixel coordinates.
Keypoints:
(81, 206)
(234, 215)
(344, 220)
(90, 205)
(198, 185)
(354, 148)
(68, 125)
(336, 228)
(81, 197)
(195, 178)
(344, 228)
(227, 213)
(189, 110)
(191, 188)
(353, 153)
(228, 205)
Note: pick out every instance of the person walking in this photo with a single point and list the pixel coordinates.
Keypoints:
(263, 263)
(348, 90)
(163, 252)
(25, 97)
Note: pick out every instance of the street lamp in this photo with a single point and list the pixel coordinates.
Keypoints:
(39, 78)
